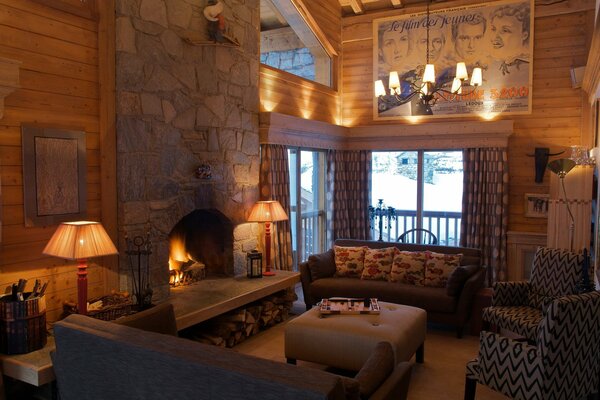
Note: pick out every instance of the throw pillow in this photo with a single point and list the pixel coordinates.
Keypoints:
(349, 261)
(458, 277)
(378, 263)
(408, 267)
(376, 369)
(321, 265)
(438, 268)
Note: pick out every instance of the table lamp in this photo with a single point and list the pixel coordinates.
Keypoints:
(267, 211)
(79, 241)
(561, 167)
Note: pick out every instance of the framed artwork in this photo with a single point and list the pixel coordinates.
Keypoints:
(536, 205)
(54, 175)
(496, 36)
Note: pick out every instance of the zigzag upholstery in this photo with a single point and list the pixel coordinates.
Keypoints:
(522, 320)
(519, 306)
(563, 365)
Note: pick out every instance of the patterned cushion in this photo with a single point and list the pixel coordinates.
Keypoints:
(378, 263)
(438, 268)
(349, 261)
(408, 267)
(538, 300)
(522, 320)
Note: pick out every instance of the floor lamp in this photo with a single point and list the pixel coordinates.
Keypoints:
(561, 167)
(79, 241)
(267, 211)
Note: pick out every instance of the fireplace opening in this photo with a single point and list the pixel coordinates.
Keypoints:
(201, 245)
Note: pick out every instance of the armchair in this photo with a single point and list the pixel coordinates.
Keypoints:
(562, 365)
(519, 306)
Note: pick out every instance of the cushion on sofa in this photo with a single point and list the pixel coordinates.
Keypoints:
(378, 263)
(349, 261)
(438, 268)
(408, 267)
(376, 369)
(458, 277)
(322, 265)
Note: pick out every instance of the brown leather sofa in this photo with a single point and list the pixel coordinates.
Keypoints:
(319, 281)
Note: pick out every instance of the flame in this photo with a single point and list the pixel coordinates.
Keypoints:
(177, 253)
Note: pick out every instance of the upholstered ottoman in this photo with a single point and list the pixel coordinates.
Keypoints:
(346, 341)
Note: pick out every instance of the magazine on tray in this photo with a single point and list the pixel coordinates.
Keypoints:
(345, 305)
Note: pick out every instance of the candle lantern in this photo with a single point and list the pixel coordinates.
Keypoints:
(254, 264)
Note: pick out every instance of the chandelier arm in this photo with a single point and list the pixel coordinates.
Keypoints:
(404, 100)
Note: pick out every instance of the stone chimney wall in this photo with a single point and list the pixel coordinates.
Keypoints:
(181, 106)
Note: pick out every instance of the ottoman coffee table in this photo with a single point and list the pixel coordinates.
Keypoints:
(346, 341)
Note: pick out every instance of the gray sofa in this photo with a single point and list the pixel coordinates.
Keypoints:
(319, 281)
(103, 360)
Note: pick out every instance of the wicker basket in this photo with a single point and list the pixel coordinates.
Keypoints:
(114, 306)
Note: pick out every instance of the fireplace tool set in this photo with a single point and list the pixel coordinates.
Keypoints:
(138, 252)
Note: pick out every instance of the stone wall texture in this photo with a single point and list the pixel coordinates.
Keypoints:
(299, 62)
(180, 106)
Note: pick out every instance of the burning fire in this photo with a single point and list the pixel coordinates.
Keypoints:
(183, 269)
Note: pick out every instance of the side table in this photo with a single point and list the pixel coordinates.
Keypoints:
(481, 300)
(34, 368)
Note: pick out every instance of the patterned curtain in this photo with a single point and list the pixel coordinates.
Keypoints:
(275, 185)
(349, 179)
(485, 207)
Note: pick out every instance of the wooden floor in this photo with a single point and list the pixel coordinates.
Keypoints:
(440, 377)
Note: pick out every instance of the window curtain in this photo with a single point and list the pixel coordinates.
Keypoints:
(349, 185)
(275, 185)
(485, 207)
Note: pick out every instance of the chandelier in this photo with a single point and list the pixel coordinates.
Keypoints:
(423, 83)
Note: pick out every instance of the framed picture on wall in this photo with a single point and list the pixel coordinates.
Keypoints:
(495, 36)
(536, 205)
(54, 175)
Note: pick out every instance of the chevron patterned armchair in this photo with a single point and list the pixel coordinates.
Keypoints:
(520, 306)
(563, 365)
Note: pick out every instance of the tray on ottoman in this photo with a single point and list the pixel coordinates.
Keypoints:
(345, 305)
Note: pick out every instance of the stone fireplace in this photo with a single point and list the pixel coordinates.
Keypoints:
(181, 108)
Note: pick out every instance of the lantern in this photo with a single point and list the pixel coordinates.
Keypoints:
(254, 264)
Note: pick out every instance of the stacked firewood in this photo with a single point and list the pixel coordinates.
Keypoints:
(235, 326)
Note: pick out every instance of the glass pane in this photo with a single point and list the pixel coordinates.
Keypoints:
(394, 180)
(442, 195)
(312, 197)
(292, 160)
(288, 44)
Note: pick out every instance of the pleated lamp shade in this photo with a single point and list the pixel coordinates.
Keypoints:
(80, 240)
(267, 211)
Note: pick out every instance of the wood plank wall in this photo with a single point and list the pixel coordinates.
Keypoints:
(285, 93)
(60, 87)
(562, 36)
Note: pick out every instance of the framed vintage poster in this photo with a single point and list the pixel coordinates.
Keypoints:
(54, 172)
(496, 36)
(536, 205)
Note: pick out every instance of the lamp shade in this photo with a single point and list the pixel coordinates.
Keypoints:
(80, 240)
(267, 211)
(562, 166)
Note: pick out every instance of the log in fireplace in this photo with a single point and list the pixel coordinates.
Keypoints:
(201, 244)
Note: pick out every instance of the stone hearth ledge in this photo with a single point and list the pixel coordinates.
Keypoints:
(211, 297)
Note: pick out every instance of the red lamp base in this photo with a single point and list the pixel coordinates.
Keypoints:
(269, 273)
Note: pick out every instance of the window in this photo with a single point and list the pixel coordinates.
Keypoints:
(287, 43)
(307, 202)
(424, 188)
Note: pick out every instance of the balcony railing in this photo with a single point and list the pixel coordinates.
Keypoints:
(444, 224)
